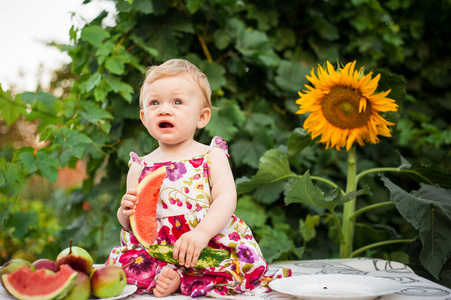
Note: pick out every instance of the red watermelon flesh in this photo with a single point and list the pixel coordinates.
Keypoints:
(39, 285)
(144, 221)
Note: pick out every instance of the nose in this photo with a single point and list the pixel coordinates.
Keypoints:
(165, 109)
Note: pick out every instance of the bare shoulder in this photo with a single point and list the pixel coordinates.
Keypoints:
(217, 154)
(219, 164)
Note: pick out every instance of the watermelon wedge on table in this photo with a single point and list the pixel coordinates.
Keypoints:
(144, 221)
(39, 285)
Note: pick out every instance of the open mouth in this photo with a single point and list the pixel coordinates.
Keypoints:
(165, 125)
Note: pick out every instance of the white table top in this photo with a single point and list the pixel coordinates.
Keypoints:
(412, 286)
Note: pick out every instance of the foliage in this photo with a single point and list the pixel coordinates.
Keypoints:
(256, 55)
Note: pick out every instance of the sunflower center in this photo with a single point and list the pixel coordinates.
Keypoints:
(341, 108)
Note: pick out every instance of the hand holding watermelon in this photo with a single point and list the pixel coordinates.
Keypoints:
(188, 247)
(129, 201)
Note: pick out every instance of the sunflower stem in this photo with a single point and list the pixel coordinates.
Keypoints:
(369, 207)
(349, 207)
(324, 180)
(337, 222)
(390, 169)
(379, 244)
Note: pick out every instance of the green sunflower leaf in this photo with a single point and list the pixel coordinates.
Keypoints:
(304, 191)
(429, 211)
(432, 174)
(397, 85)
(298, 140)
(273, 167)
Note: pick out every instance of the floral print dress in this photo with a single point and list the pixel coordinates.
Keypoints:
(183, 203)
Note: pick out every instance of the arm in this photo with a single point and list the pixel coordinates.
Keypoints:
(224, 199)
(129, 199)
(223, 194)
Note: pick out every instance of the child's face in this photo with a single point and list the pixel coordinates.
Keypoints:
(173, 108)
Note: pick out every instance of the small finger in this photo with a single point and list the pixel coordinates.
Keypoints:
(128, 212)
(175, 250)
(195, 258)
(189, 257)
(182, 254)
(132, 191)
(130, 198)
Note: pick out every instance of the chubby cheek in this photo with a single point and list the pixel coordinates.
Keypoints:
(146, 119)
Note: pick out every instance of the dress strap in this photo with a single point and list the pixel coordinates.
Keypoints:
(219, 142)
(134, 158)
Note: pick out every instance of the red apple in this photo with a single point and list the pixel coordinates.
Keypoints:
(45, 263)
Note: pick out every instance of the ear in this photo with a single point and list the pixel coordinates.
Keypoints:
(204, 118)
(141, 116)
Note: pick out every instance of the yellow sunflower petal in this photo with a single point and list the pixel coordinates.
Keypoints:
(362, 104)
(335, 78)
(371, 87)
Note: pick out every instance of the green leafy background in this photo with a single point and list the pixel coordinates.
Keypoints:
(256, 55)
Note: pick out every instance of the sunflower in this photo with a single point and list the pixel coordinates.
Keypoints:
(343, 107)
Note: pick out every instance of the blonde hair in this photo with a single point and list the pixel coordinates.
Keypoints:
(175, 67)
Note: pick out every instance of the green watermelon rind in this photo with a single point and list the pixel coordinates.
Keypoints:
(209, 257)
(59, 294)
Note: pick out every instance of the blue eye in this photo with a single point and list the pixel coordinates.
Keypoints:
(154, 102)
(177, 102)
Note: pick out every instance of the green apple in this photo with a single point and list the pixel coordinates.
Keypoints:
(108, 281)
(81, 289)
(14, 265)
(76, 257)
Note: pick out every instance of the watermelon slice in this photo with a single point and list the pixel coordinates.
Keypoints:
(39, 285)
(144, 221)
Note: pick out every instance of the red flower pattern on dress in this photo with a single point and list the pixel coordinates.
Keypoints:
(197, 162)
(252, 278)
(179, 226)
(234, 236)
(139, 267)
